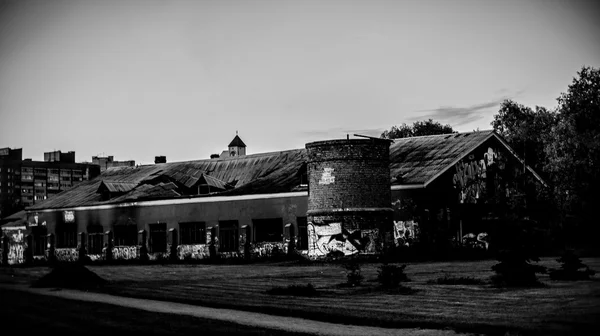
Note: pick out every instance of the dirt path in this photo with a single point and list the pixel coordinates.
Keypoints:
(291, 324)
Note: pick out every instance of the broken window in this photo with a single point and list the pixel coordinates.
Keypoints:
(268, 229)
(302, 243)
(40, 240)
(228, 236)
(95, 239)
(125, 235)
(66, 235)
(158, 237)
(192, 233)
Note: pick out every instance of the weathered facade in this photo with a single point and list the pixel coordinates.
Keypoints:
(339, 198)
(349, 207)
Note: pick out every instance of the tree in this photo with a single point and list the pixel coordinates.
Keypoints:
(526, 131)
(574, 152)
(418, 128)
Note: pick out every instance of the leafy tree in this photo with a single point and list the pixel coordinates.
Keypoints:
(563, 145)
(574, 152)
(526, 130)
(418, 128)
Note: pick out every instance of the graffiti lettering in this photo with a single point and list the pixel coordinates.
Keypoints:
(66, 254)
(268, 249)
(199, 251)
(16, 254)
(473, 241)
(125, 252)
(16, 244)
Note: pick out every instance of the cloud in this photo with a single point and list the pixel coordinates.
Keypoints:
(457, 116)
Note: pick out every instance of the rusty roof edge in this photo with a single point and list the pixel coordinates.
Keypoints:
(512, 151)
(462, 156)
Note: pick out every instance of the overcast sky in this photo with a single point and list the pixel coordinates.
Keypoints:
(136, 79)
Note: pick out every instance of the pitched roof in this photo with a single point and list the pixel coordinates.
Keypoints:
(413, 161)
(266, 168)
(418, 160)
(213, 182)
(237, 142)
(118, 187)
(148, 191)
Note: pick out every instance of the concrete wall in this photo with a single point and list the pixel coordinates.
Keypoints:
(211, 212)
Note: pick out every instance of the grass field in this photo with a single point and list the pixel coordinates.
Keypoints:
(559, 308)
(35, 314)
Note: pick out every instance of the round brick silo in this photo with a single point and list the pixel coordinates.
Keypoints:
(349, 185)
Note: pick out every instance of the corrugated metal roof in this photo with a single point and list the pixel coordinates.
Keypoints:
(148, 191)
(237, 171)
(213, 182)
(413, 161)
(418, 160)
(118, 187)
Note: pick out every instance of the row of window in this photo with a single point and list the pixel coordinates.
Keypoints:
(270, 229)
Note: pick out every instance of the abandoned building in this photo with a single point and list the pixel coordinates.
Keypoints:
(345, 196)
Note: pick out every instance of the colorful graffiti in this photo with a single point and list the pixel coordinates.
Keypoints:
(125, 252)
(405, 232)
(470, 178)
(324, 240)
(199, 251)
(66, 254)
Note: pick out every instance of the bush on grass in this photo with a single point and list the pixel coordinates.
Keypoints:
(515, 269)
(572, 268)
(295, 290)
(70, 275)
(390, 276)
(452, 280)
(353, 274)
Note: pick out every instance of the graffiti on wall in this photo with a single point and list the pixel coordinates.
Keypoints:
(66, 254)
(16, 244)
(125, 252)
(326, 239)
(95, 257)
(476, 241)
(267, 249)
(405, 232)
(327, 176)
(198, 251)
(470, 177)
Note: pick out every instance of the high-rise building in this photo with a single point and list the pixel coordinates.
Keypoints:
(106, 162)
(25, 182)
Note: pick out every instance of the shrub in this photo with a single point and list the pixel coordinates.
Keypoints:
(390, 276)
(451, 280)
(294, 290)
(353, 274)
(69, 275)
(570, 268)
(515, 269)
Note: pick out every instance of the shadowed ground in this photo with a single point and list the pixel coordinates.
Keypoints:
(561, 307)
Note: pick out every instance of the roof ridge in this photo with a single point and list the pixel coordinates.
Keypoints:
(239, 157)
(446, 134)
